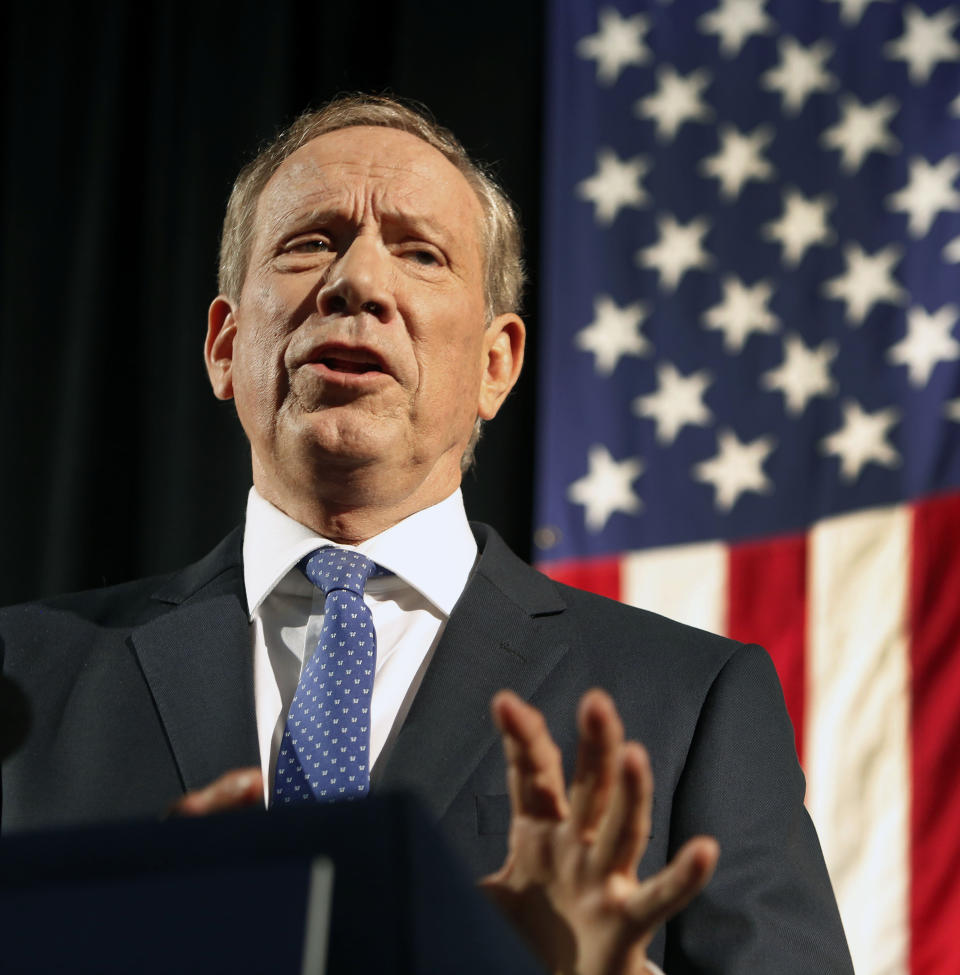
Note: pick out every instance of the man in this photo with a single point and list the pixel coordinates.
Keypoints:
(366, 326)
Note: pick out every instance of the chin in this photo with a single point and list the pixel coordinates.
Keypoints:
(347, 445)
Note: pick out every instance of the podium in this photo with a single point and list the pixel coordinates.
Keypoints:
(344, 888)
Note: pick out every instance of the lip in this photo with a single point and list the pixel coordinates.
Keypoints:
(355, 380)
(346, 365)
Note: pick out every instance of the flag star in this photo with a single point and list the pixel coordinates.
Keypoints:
(802, 224)
(803, 374)
(861, 130)
(615, 184)
(862, 439)
(679, 249)
(737, 467)
(618, 43)
(951, 409)
(733, 21)
(743, 310)
(928, 191)
(614, 332)
(867, 280)
(676, 100)
(951, 253)
(678, 402)
(925, 41)
(739, 159)
(927, 342)
(800, 73)
(607, 487)
(851, 11)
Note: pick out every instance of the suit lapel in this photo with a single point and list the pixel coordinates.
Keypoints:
(505, 631)
(197, 661)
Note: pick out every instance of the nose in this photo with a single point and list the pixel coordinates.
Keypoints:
(359, 281)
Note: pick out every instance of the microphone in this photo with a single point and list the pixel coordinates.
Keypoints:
(14, 717)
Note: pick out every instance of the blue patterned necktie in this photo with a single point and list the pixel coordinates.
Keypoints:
(325, 752)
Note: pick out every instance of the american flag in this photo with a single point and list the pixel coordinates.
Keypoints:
(750, 395)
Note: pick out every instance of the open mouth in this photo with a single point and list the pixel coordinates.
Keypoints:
(336, 364)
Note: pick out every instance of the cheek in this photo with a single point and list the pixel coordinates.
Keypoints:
(267, 313)
(256, 392)
(446, 338)
(451, 378)
(259, 367)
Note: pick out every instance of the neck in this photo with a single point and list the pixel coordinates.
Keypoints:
(352, 513)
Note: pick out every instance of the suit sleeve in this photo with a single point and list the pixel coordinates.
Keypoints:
(770, 906)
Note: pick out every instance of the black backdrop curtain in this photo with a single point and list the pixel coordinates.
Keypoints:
(123, 127)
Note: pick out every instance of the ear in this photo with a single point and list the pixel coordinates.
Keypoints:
(218, 347)
(503, 350)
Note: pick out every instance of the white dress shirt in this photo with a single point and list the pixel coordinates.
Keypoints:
(431, 554)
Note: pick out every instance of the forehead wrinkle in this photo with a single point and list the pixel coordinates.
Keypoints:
(414, 220)
(385, 177)
(387, 205)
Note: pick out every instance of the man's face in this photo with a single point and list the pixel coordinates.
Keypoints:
(358, 344)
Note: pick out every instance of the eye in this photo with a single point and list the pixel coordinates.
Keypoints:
(421, 252)
(307, 245)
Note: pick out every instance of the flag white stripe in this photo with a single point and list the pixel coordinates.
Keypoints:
(685, 582)
(856, 731)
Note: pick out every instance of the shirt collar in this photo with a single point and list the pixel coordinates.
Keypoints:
(432, 550)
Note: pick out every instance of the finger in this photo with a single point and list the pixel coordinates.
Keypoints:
(666, 893)
(534, 767)
(237, 789)
(598, 754)
(625, 828)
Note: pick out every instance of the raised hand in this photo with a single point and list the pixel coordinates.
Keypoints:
(569, 883)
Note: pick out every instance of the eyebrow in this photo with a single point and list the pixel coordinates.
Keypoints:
(296, 216)
(322, 215)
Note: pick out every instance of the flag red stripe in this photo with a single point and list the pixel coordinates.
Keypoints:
(767, 605)
(600, 575)
(935, 737)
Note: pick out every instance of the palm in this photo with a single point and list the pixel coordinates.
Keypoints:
(569, 882)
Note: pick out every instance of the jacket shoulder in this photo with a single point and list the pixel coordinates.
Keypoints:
(620, 638)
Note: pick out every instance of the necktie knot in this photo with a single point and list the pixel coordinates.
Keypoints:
(333, 568)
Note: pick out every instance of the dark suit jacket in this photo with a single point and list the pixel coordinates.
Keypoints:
(145, 690)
